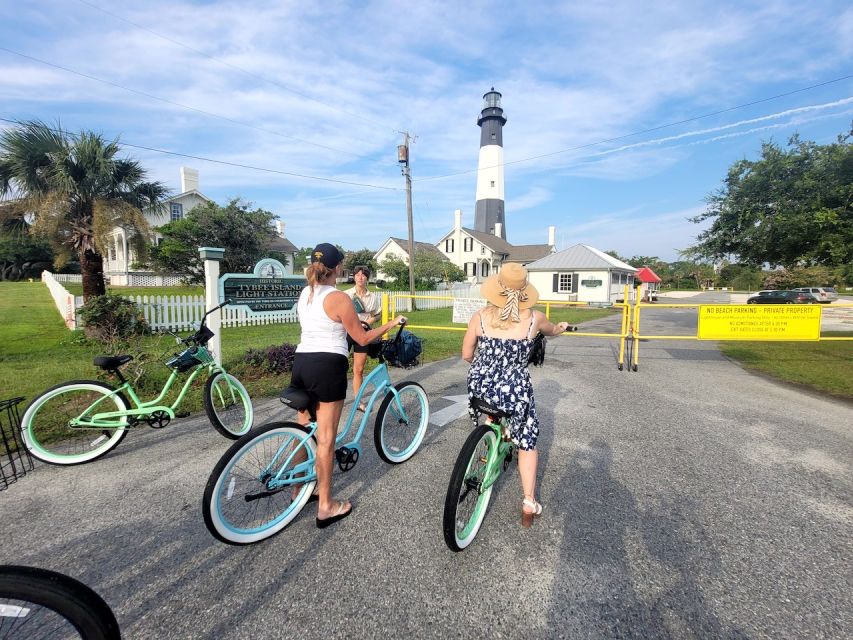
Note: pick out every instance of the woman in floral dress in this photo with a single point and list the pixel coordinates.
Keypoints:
(502, 334)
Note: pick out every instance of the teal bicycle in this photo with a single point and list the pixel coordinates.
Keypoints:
(81, 420)
(486, 454)
(264, 480)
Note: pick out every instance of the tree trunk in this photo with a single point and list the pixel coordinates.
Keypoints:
(92, 268)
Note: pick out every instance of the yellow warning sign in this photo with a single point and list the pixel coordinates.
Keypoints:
(759, 322)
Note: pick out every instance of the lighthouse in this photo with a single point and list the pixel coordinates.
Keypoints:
(489, 212)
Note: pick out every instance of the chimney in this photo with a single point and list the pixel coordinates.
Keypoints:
(189, 179)
(279, 228)
(499, 229)
(457, 223)
(552, 231)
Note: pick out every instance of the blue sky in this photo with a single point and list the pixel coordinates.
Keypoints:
(323, 89)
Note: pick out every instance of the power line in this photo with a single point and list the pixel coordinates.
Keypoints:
(643, 131)
(225, 162)
(177, 104)
(236, 67)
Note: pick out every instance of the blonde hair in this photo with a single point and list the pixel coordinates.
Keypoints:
(492, 315)
(316, 272)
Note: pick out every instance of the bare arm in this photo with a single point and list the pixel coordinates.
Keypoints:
(548, 328)
(338, 306)
(469, 342)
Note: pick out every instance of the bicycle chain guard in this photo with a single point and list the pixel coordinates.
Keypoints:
(346, 458)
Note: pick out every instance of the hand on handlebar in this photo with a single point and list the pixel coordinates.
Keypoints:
(565, 327)
(401, 320)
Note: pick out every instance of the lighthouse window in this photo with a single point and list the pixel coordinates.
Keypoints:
(494, 136)
(493, 183)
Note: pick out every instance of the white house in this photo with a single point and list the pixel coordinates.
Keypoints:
(119, 258)
(480, 254)
(281, 244)
(399, 248)
(581, 274)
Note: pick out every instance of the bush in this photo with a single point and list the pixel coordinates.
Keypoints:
(276, 359)
(111, 319)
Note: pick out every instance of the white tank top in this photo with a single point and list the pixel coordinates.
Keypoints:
(319, 331)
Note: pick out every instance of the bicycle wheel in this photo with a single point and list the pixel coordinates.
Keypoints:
(465, 506)
(45, 424)
(228, 405)
(239, 506)
(37, 603)
(397, 436)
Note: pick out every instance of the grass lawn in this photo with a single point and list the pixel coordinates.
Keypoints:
(822, 366)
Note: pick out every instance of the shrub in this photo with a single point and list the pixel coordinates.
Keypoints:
(111, 319)
(276, 359)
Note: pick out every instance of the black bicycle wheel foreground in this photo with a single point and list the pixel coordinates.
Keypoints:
(39, 604)
(239, 504)
(228, 405)
(45, 423)
(465, 506)
(396, 437)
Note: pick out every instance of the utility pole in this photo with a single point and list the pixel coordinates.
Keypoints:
(403, 159)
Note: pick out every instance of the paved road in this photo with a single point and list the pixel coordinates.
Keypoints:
(688, 499)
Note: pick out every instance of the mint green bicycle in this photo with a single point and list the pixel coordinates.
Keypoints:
(81, 420)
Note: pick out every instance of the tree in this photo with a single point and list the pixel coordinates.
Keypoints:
(429, 269)
(77, 191)
(360, 257)
(21, 254)
(244, 234)
(791, 207)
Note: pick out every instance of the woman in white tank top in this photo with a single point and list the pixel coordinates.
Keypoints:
(326, 316)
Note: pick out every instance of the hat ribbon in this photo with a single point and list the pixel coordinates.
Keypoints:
(513, 297)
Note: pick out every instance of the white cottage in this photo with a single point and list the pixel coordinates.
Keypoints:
(581, 274)
(399, 248)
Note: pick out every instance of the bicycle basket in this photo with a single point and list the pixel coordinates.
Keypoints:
(189, 358)
(403, 350)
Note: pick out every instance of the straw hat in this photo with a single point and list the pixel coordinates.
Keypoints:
(509, 290)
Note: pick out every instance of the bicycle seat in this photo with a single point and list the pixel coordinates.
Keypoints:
(484, 407)
(300, 400)
(111, 363)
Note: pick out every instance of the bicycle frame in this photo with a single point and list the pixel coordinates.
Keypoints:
(494, 463)
(381, 383)
(107, 419)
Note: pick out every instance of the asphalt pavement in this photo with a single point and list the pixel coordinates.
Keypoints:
(689, 499)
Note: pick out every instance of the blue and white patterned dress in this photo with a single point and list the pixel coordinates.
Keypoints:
(499, 376)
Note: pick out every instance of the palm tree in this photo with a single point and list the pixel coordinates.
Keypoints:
(76, 191)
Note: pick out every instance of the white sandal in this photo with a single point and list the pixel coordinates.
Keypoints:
(527, 516)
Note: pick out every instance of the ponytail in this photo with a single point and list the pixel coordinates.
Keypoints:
(316, 272)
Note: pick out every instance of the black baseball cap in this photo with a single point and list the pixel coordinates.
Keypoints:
(328, 254)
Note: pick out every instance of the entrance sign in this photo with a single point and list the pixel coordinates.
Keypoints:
(592, 283)
(759, 322)
(464, 308)
(266, 289)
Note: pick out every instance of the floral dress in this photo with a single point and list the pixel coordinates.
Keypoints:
(499, 376)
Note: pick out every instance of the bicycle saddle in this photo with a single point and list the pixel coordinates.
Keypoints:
(111, 363)
(484, 407)
(300, 400)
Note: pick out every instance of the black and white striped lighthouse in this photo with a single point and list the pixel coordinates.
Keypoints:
(489, 213)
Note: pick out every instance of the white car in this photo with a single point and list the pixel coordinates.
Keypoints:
(824, 295)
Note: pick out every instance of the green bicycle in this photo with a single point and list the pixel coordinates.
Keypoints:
(485, 455)
(81, 420)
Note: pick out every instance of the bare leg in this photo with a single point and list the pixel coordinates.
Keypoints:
(527, 471)
(328, 416)
(358, 361)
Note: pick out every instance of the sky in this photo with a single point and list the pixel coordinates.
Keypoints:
(622, 117)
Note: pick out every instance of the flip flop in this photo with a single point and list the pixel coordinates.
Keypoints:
(362, 407)
(340, 514)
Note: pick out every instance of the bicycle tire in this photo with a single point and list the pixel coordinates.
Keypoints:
(239, 476)
(38, 603)
(397, 440)
(460, 528)
(228, 405)
(48, 440)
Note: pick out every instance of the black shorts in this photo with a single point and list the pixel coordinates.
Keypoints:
(323, 375)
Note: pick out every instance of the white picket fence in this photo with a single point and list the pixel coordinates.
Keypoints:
(183, 313)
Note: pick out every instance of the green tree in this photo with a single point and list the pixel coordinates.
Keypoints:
(791, 207)
(301, 259)
(243, 233)
(429, 269)
(22, 255)
(360, 257)
(77, 191)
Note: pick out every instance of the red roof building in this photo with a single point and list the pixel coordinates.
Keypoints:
(646, 275)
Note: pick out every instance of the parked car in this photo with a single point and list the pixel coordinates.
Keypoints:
(781, 297)
(824, 295)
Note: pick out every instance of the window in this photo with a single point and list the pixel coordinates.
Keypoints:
(448, 245)
(484, 269)
(470, 268)
(467, 244)
(482, 250)
(565, 285)
(177, 211)
(494, 136)
(493, 183)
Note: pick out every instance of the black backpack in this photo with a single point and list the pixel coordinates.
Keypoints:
(403, 350)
